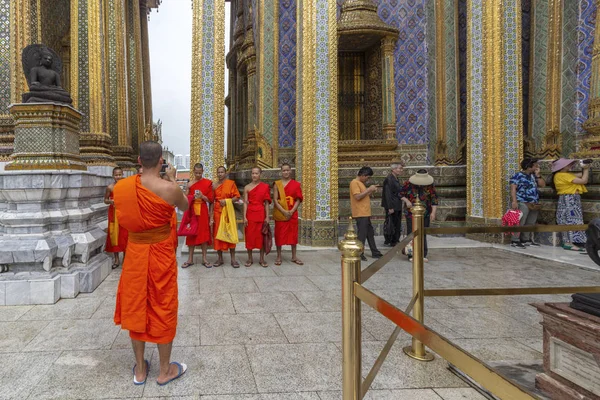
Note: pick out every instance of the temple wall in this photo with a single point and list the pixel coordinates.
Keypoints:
(287, 74)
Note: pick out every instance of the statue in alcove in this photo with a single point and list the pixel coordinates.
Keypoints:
(42, 68)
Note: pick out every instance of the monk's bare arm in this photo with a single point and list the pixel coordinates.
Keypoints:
(179, 198)
(266, 211)
(246, 206)
(296, 205)
(107, 193)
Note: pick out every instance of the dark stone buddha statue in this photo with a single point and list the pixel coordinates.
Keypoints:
(42, 68)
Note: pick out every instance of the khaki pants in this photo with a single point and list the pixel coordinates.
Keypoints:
(529, 218)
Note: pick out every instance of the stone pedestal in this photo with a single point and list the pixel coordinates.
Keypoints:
(53, 218)
(571, 353)
(46, 137)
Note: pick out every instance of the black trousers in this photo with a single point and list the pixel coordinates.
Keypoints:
(396, 219)
(409, 230)
(366, 232)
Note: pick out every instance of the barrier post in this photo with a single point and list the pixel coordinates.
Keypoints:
(417, 350)
(351, 249)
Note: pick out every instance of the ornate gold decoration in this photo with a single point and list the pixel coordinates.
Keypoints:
(7, 136)
(144, 10)
(554, 80)
(388, 88)
(441, 154)
(20, 29)
(360, 27)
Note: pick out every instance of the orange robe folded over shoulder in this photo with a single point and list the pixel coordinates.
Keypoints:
(256, 215)
(201, 210)
(147, 294)
(122, 235)
(228, 190)
(286, 232)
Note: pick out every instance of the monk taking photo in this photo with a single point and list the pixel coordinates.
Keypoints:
(147, 301)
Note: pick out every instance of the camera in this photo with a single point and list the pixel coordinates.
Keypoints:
(163, 169)
(585, 162)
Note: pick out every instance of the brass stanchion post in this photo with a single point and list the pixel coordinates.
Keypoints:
(351, 249)
(417, 350)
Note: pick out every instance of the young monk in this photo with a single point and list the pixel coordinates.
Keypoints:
(201, 190)
(288, 196)
(116, 240)
(256, 213)
(146, 302)
(224, 189)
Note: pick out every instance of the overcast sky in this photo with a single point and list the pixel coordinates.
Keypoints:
(170, 32)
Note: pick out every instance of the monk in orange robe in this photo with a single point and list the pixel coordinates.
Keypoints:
(121, 245)
(147, 302)
(201, 192)
(286, 219)
(224, 189)
(256, 212)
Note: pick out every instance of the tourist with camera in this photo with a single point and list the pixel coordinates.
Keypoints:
(569, 187)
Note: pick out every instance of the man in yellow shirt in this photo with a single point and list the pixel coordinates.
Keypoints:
(360, 204)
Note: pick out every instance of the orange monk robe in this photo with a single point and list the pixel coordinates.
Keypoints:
(228, 190)
(147, 293)
(201, 210)
(122, 245)
(286, 232)
(256, 215)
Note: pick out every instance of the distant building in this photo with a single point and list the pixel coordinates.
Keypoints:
(180, 162)
(168, 156)
(186, 161)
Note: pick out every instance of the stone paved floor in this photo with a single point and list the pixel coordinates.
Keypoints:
(274, 333)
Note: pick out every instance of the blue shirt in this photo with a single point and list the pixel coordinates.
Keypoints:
(527, 190)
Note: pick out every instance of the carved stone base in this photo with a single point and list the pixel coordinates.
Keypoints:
(123, 156)
(318, 233)
(7, 137)
(95, 149)
(46, 137)
(571, 353)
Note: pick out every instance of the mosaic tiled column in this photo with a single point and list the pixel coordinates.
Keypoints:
(287, 79)
(495, 138)
(208, 82)
(146, 63)
(317, 123)
(118, 121)
(23, 32)
(446, 139)
(87, 80)
(388, 88)
(6, 68)
(135, 91)
(268, 79)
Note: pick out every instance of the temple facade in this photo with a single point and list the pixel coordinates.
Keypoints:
(464, 88)
(103, 45)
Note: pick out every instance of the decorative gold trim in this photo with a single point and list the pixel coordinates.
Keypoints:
(122, 82)
(20, 38)
(139, 80)
(333, 111)
(554, 77)
(275, 142)
(74, 34)
(469, 101)
(219, 88)
(441, 149)
(196, 101)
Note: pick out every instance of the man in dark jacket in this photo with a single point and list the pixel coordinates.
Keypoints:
(391, 203)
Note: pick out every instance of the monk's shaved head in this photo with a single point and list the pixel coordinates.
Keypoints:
(150, 153)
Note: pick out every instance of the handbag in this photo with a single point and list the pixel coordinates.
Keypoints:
(388, 226)
(267, 237)
(227, 231)
(189, 222)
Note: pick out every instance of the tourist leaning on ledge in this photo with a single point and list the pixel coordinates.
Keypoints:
(525, 197)
(569, 187)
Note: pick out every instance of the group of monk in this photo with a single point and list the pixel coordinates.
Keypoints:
(143, 221)
(209, 199)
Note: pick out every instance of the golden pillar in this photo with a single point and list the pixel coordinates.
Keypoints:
(87, 80)
(317, 120)
(389, 88)
(147, 85)
(590, 146)
(208, 85)
(23, 32)
(137, 120)
(118, 113)
(495, 135)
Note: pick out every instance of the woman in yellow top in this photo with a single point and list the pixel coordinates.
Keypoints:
(569, 187)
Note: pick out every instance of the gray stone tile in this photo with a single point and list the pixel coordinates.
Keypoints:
(106, 310)
(289, 269)
(202, 304)
(99, 373)
(2, 294)
(330, 300)
(402, 372)
(248, 272)
(14, 336)
(188, 334)
(536, 344)
(21, 371)
(266, 396)
(198, 271)
(284, 284)
(490, 350)
(64, 309)
(83, 334)
(400, 394)
(327, 282)
(296, 367)
(481, 323)
(240, 329)
(315, 327)
(459, 394)
(260, 303)
(13, 313)
(227, 285)
(106, 288)
(211, 370)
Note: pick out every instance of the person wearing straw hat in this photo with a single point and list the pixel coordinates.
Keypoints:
(569, 187)
(420, 187)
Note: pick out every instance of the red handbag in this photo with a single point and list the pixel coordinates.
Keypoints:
(189, 222)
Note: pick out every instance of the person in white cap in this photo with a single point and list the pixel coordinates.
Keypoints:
(569, 187)
(420, 187)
